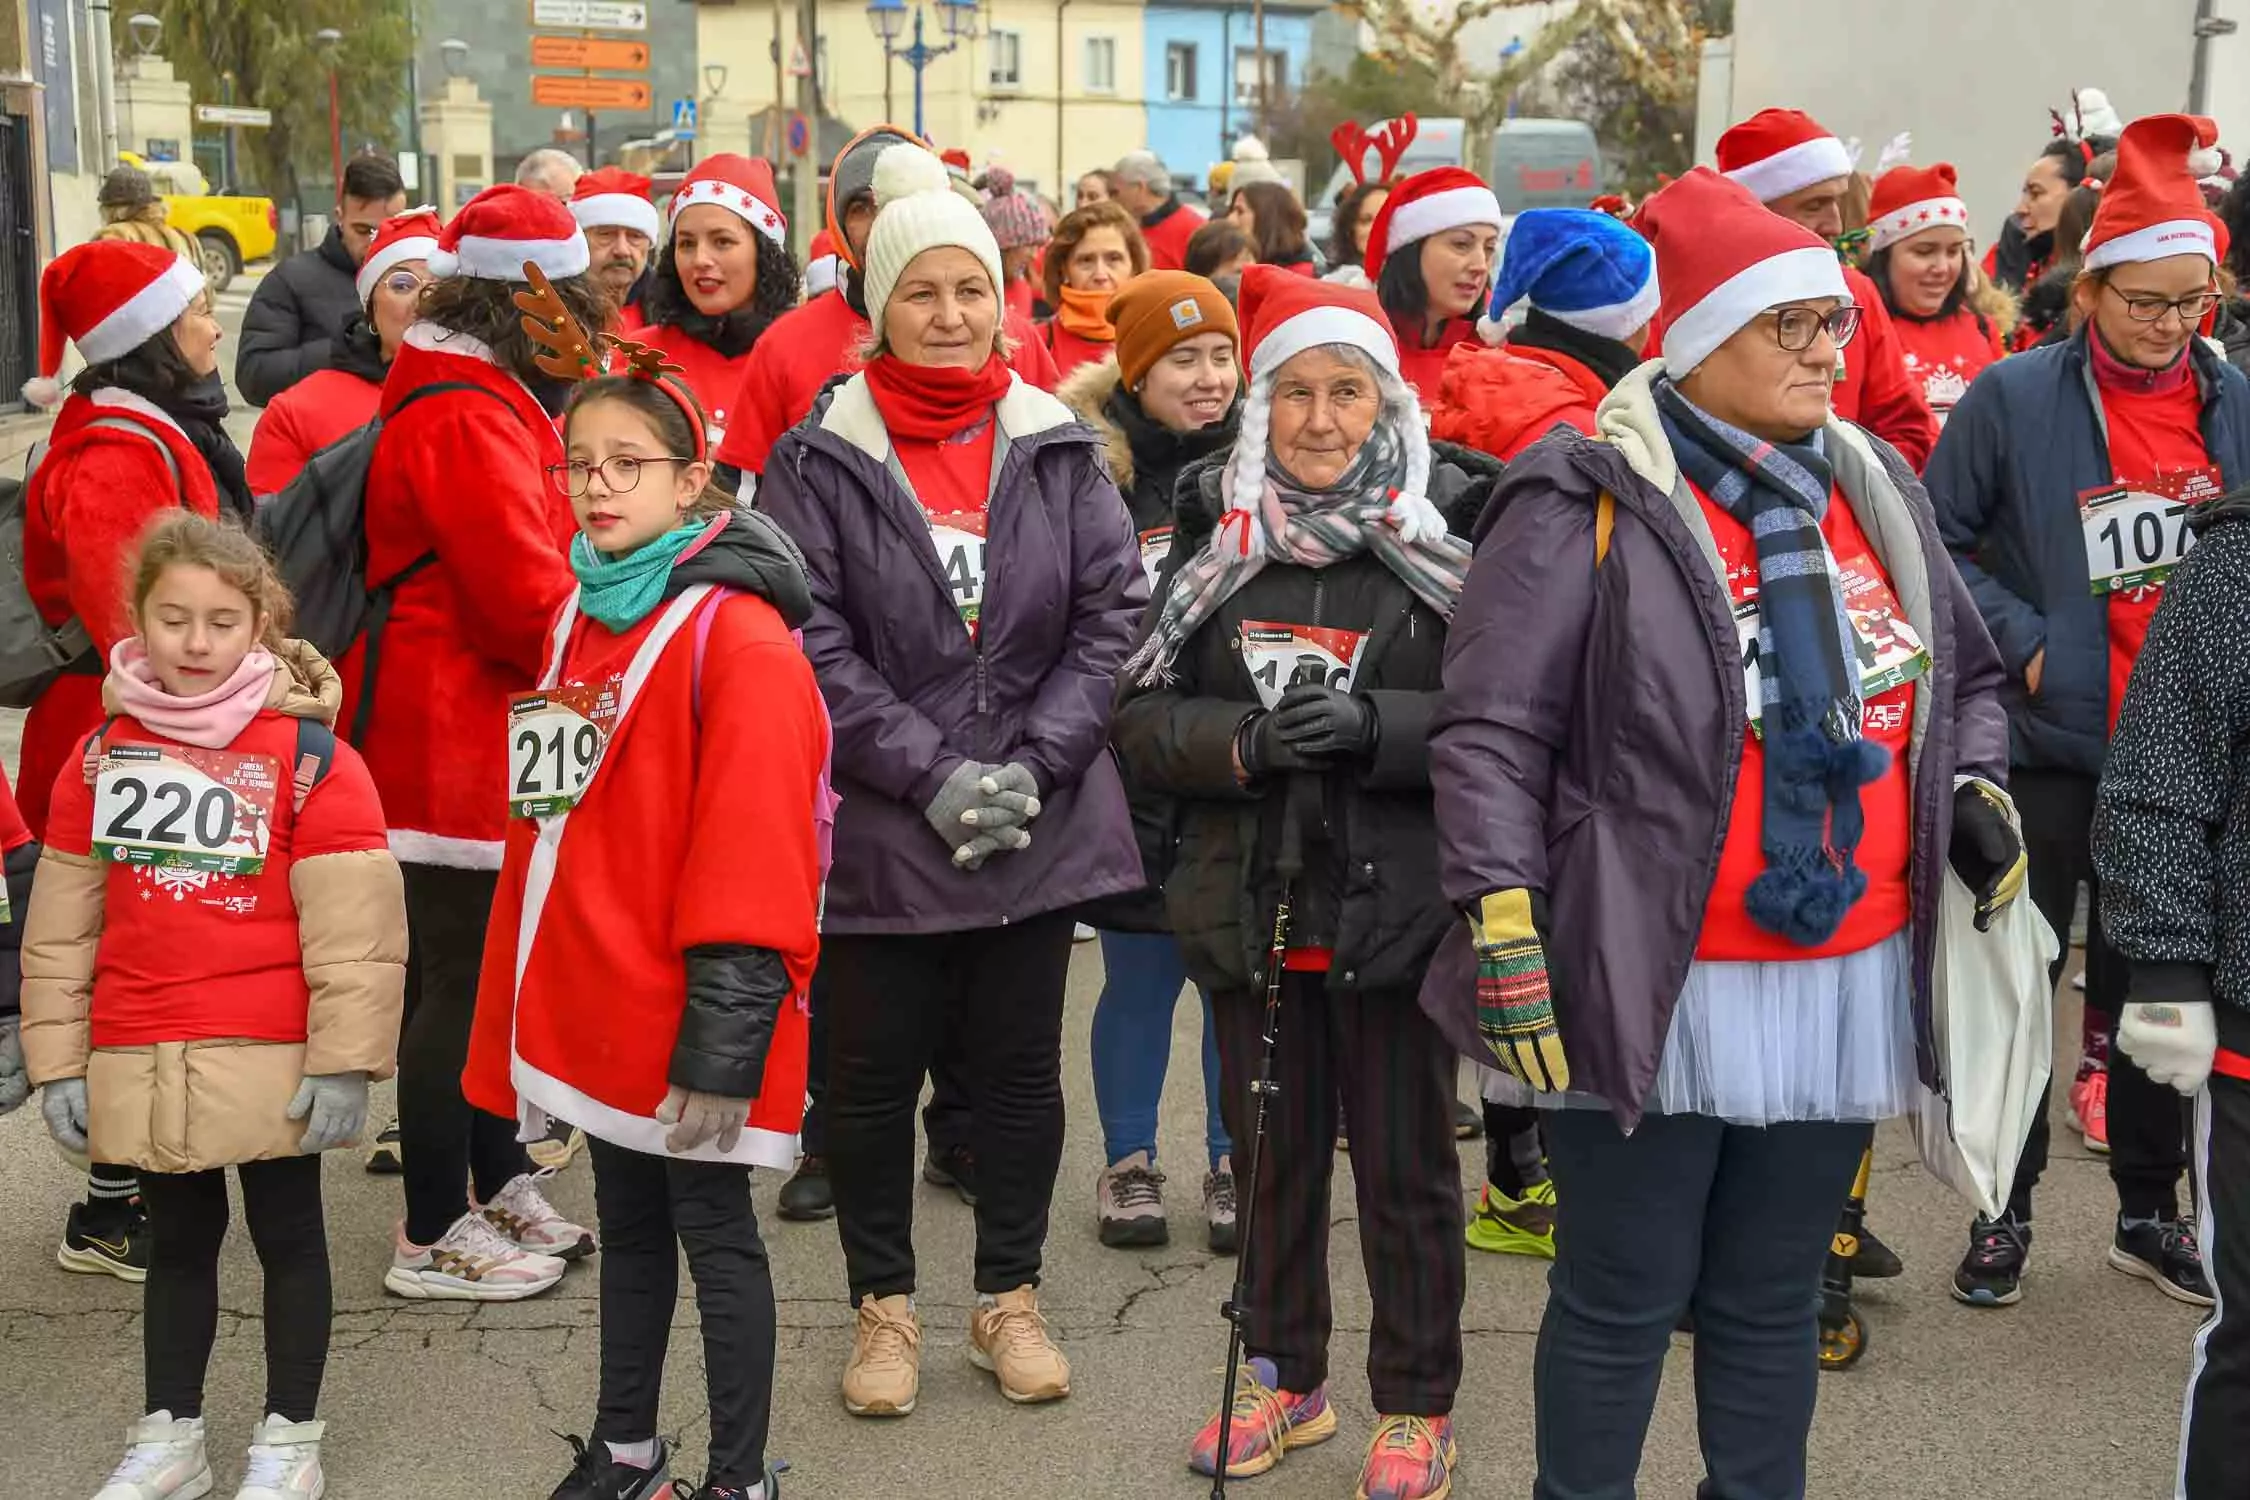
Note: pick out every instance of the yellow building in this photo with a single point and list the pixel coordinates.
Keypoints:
(1050, 90)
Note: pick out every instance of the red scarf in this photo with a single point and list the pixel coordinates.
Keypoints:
(931, 402)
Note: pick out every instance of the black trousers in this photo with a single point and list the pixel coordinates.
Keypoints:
(187, 1221)
(1379, 1056)
(650, 1209)
(2146, 1148)
(1515, 1149)
(945, 1119)
(2212, 1460)
(443, 1140)
(891, 1000)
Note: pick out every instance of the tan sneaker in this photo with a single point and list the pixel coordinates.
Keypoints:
(886, 1366)
(1010, 1339)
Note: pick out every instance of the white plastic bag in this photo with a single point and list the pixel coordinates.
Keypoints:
(1994, 1015)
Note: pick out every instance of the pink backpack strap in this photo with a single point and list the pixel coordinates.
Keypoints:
(705, 613)
(825, 798)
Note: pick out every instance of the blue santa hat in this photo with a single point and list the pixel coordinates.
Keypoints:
(1579, 267)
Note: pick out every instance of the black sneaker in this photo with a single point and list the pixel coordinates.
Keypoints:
(2162, 1252)
(1468, 1122)
(1875, 1261)
(952, 1168)
(106, 1241)
(383, 1158)
(774, 1471)
(597, 1476)
(1991, 1274)
(806, 1195)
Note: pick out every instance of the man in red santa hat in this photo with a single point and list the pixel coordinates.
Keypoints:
(614, 208)
(1797, 169)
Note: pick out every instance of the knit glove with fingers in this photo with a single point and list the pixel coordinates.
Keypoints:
(1987, 851)
(334, 1109)
(1007, 797)
(63, 1104)
(1515, 1002)
(699, 1119)
(15, 1083)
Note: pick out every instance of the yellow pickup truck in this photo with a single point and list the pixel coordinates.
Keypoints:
(230, 231)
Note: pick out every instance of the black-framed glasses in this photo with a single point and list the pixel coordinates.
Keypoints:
(2149, 309)
(1794, 328)
(620, 472)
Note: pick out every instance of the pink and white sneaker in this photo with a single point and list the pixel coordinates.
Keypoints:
(470, 1262)
(164, 1460)
(528, 1221)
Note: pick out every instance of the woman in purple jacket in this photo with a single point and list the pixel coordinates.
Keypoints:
(975, 590)
(1717, 707)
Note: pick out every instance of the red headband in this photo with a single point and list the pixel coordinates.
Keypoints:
(645, 362)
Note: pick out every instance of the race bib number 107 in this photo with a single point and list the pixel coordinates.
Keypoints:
(2137, 533)
(185, 807)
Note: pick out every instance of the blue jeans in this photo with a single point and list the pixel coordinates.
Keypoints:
(1142, 978)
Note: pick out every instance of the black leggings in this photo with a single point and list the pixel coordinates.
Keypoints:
(651, 1208)
(187, 1220)
(443, 1140)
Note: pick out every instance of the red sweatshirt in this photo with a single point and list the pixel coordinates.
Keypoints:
(2152, 435)
(1945, 355)
(1167, 233)
(715, 379)
(1875, 390)
(304, 419)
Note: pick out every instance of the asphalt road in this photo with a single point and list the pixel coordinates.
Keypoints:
(2073, 1393)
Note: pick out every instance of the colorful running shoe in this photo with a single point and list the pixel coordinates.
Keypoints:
(470, 1262)
(2089, 1109)
(1268, 1422)
(1501, 1225)
(2162, 1252)
(528, 1221)
(1411, 1458)
(1991, 1274)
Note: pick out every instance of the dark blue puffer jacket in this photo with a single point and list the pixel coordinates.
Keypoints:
(2026, 441)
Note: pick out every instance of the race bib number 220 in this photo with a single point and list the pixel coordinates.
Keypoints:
(185, 807)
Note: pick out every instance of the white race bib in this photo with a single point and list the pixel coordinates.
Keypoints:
(555, 740)
(2137, 533)
(1156, 545)
(959, 539)
(1889, 652)
(1281, 656)
(185, 807)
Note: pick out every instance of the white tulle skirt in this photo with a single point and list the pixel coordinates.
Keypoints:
(1763, 1043)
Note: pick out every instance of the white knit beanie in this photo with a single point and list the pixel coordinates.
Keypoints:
(916, 209)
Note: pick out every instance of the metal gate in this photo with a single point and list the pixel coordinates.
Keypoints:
(19, 258)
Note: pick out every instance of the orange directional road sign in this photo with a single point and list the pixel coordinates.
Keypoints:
(588, 52)
(590, 93)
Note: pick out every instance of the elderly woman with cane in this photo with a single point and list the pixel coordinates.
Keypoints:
(1283, 692)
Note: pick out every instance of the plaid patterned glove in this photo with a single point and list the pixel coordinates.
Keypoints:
(1515, 1006)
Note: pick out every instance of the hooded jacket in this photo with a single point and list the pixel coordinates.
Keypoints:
(318, 410)
(1548, 375)
(1370, 890)
(295, 318)
(687, 875)
(193, 1003)
(1589, 741)
(912, 693)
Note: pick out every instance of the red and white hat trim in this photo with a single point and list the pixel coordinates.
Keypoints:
(619, 211)
(1439, 212)
(397, 252)
(1913, 218)
(741, 202)
(485, 258)
(1792, 276)
(1792, 170)
(145, 314)
(2155, 242)
(1316, 326)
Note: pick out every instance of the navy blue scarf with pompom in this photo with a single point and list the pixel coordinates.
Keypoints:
(1816, 761)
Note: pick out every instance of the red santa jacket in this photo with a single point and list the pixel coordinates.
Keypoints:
(304, 419)
(460, 477)
(92, 496)
(697, 828)
(1945, 355)
(714, 378)
(1424, 366)
(1168, 233)
(1501, 401)
(808, 345)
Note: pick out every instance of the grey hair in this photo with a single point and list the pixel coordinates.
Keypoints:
(1145, 168)
(546, 163)
(1246, 471)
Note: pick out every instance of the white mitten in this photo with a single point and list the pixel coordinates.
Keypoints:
(1416, 520)
(2173, 1044)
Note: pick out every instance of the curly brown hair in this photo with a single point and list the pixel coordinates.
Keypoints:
(486, 311)
(1074, 228)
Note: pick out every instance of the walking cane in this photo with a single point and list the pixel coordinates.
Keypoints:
(1289, 863)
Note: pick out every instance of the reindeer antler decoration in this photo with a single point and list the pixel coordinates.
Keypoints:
(570, 353)
(645, 360)
(1389, 143)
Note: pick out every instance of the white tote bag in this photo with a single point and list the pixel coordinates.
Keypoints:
(1994, 1014)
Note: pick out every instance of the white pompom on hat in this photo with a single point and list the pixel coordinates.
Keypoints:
(916, 209)
(108, 297)
(501, 228)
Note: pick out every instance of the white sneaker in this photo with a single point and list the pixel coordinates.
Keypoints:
(528, 1221)
(163, 1462)
(284, 1461)
(469, 1263)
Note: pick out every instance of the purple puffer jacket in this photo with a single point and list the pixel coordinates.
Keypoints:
(911, 695)
(1592, 724)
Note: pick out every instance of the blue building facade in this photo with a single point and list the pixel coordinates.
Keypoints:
(1201, 82)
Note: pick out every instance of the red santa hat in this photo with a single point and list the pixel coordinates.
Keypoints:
(108, 297)
(1777, 152)
(1425, 204)
(613, 198)
(501, 228)
(1722, 258)
(1908, 200)
(412, 235)
(821, 265)
(742, 185)
(2152, 207)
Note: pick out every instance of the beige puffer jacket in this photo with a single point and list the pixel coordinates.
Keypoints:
(188, 1105)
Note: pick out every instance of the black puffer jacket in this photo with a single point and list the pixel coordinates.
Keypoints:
(294, 319)
(1370, 892)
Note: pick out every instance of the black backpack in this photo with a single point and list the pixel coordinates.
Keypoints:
(316, 529)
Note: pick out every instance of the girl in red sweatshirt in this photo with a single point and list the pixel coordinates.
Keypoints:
(654, 935)
(212, 976)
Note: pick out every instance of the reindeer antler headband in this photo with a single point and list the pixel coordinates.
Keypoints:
(569, 352)
(1389, 144)
(646, 362)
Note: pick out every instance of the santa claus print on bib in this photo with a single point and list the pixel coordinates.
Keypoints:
(1280, 656)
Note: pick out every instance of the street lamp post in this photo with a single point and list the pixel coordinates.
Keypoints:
(888, 17)
(327, 39)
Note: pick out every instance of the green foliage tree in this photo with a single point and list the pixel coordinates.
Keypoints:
(269, 47)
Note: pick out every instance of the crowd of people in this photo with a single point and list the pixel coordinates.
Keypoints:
(1596, 643)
